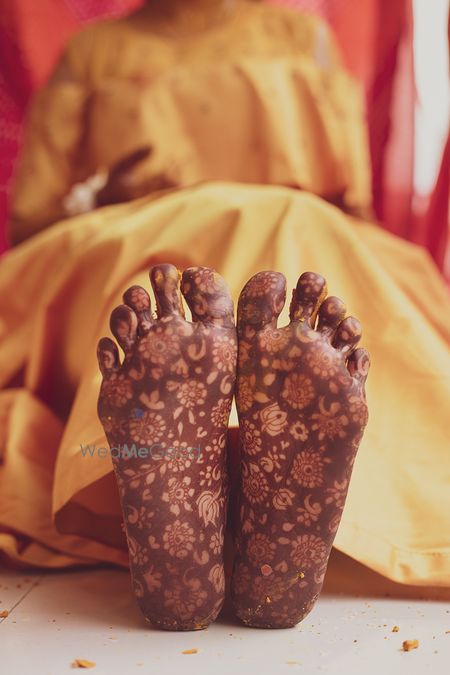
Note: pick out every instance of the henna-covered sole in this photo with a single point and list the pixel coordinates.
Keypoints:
(302, 412)
(165, 412)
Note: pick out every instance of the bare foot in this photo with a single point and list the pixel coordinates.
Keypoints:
(165, 412)
(302, 412)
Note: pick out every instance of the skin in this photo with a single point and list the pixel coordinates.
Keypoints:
(172, 396)
(302, 412)
(124, 184)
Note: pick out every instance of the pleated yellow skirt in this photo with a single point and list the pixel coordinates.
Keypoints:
(59, 506)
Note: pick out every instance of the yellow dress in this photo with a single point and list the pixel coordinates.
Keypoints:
(240, 120)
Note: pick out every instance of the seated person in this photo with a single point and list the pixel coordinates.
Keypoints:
(225, 135)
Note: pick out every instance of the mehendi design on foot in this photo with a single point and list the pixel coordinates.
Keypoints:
(171, 397)
(302, 412)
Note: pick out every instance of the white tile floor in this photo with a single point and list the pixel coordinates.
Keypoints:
(58, 617)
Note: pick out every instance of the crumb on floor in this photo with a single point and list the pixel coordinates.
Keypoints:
(408, 645)
(83, 663)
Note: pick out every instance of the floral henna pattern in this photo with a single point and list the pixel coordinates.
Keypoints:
(165, 412)
(302, 411)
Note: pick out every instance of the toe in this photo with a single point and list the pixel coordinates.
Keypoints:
(310, 292)
(208, 297)
(138, 299)
(359, 364)
(123, 324)
(331, 313)
(261, 302)
(108, 356)
(347, 335)
(165, 281)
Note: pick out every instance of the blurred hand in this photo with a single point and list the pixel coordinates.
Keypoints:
(123, 185)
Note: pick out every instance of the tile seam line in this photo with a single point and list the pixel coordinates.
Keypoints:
(10, 611)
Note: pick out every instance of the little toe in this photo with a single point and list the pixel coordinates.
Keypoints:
(261, 302)
(347, 335)
(310, 291)
(165, 281)
(331, 313)
(123, 324)
(208, 296)
(108, 356)
(358, 364)
(138, 299)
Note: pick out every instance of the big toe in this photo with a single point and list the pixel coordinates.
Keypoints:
(261, 302)
(207, 296)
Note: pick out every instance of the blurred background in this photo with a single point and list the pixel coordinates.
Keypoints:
(398, 50)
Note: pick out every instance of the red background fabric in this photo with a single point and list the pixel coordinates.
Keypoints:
(377, 43)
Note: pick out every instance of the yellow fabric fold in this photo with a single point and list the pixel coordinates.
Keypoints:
(396, 519)
(261, 101)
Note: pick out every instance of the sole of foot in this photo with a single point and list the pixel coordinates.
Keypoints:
(165, 410)
(302, 413)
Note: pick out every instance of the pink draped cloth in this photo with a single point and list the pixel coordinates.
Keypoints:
(375, 37)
